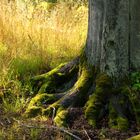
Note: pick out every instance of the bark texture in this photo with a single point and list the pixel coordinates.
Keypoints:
(113, 43)
(135, 34)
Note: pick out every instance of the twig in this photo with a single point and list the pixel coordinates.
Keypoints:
(16, 120)
(54, 110)
(87, 135)
(8, 120)
(54, 127)
(1, 123)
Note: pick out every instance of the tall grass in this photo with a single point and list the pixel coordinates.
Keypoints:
(37, 36)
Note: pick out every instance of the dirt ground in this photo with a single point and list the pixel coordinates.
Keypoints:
(14, 127)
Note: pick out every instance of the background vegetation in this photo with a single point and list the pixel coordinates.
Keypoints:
(35, 36)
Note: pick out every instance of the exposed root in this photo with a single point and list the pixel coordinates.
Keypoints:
(81, 86)
(117, 113)
(137, 137)
(52, 80)
(113, 102)
(134, 97)
(97, 101)
(77, 95)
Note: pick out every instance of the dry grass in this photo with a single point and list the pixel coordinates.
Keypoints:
(34, 38)
(37, 36)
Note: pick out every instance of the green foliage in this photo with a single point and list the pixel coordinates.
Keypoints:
(135, 81)
(23, 67)
(13, 104)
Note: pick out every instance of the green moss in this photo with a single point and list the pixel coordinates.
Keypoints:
(135, 138)
(33, 111)
(125, 90)
(37, 103)
(48, 112)
(51, 109)
(134, 95)
(123, 123)
(104, 81)
(97, 100)
(41, 99)
(135, 81)
(61, 117)
(94, 106)
(91, 113)
(134, 99)
(83, 84)
(59, 112)
(47, 86)
(116, 121)
(103, 93)
(47, 82)
(86, 74)
(112, 116)
(119, 123)
(136, 107)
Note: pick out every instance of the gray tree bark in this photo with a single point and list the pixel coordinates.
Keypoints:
(113, 42)
(135, 34)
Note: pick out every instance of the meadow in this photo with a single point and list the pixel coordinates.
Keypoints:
(35, 36)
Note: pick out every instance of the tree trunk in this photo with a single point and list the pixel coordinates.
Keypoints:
(108, 36)
(112, 51)
(135, 34)
(113, 42)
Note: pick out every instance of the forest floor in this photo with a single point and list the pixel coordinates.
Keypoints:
(15, 127)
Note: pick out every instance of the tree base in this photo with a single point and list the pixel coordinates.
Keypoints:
(77, 85)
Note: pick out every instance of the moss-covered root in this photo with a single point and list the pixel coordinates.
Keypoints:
(96, 103)
(134, 97)
(120, 109)
(50, 81)
(33, 111)
(137, 137)
(58, 113)
(72, 98)
(39, 102)
(62, 100)
(107, 100)
(117, 119)
(61, 117)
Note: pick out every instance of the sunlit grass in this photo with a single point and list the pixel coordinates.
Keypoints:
(34, 38)
(39, 36)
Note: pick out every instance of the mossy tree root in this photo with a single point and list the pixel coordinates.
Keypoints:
(51, 81)
(90, 89)
(115, 103)
(75, 96)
